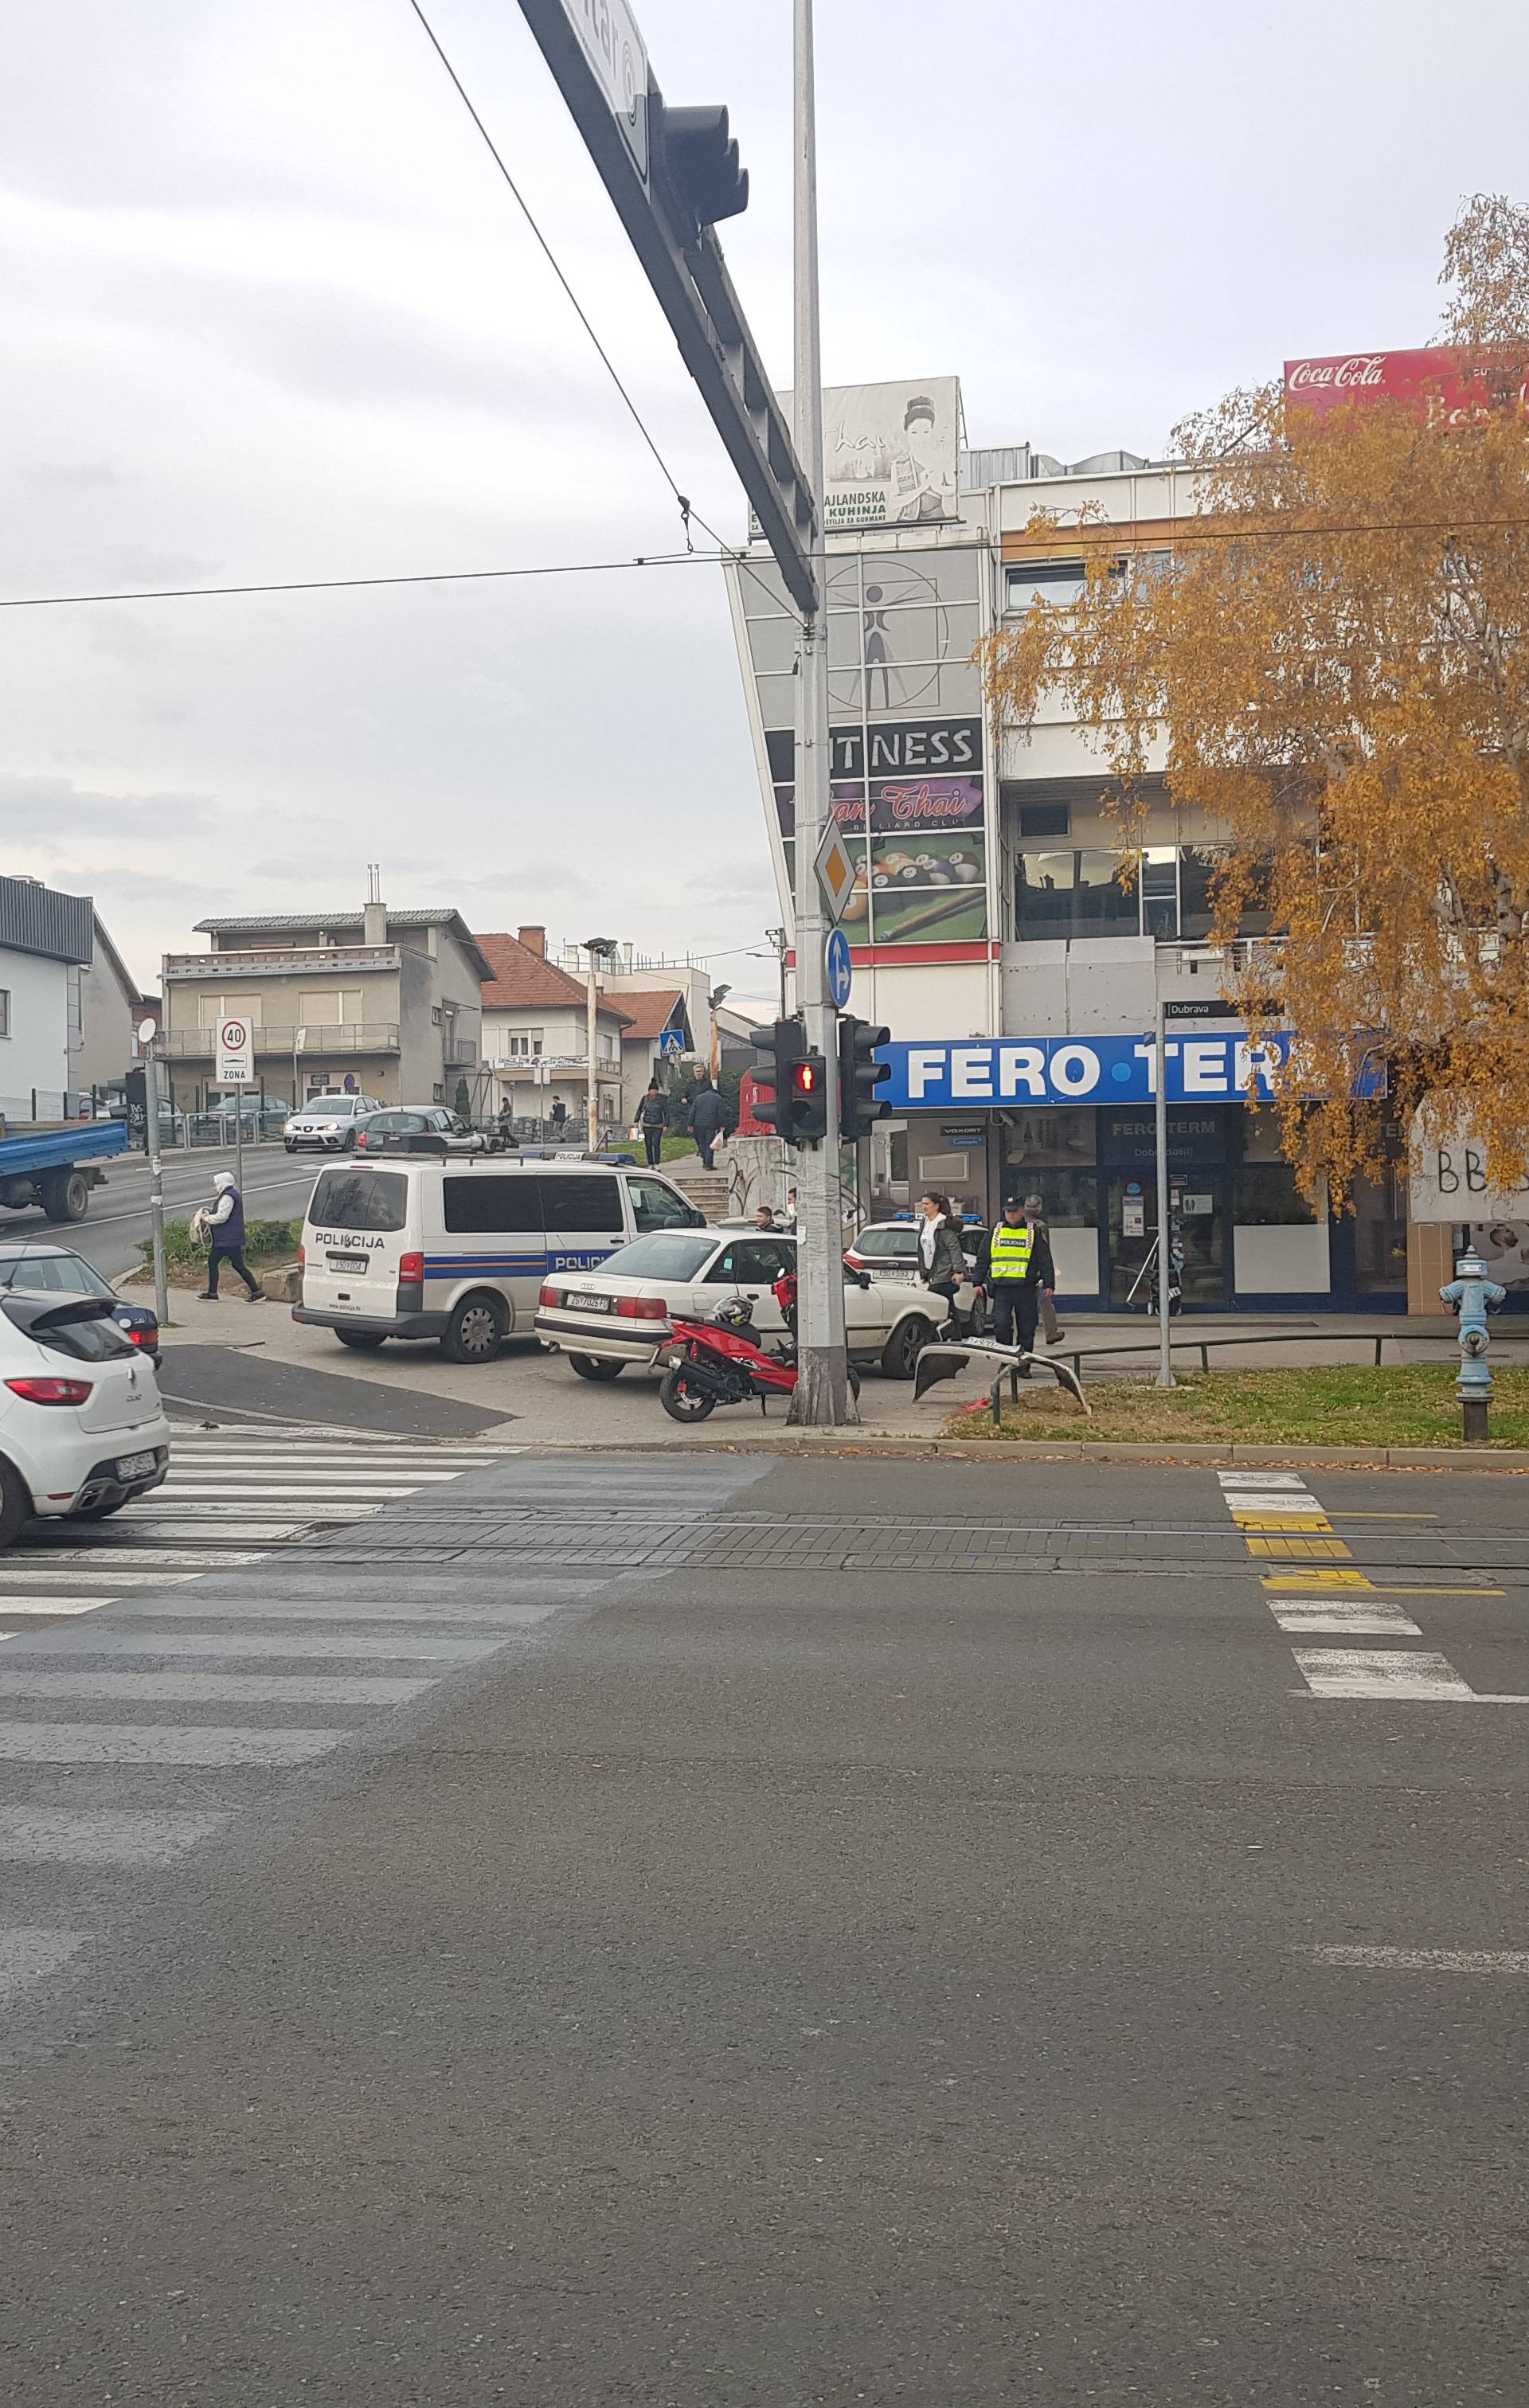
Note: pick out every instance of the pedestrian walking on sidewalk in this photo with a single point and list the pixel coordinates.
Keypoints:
(653, 1119)
(708, 1120)
(1034, 1212)
(224, 1220)
(942, 1261)
(1018, 1266)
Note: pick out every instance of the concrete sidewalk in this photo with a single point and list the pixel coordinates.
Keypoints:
(535, 1398)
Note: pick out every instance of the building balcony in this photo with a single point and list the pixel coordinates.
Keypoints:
(277, 961)
(339, 1036)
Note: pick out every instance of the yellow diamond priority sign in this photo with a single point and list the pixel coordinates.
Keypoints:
(835, 871)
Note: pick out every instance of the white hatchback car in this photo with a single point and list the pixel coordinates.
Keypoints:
(327, 1122)
(621, 1312)
(82, 1429)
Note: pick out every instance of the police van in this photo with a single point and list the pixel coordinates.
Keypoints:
(456, 1248)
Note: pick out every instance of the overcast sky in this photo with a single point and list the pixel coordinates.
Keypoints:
(269, 312)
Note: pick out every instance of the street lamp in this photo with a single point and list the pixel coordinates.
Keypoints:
(718, 996)
(599, 949)
(147, 1039)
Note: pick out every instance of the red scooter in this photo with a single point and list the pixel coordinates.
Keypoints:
(720, 1361)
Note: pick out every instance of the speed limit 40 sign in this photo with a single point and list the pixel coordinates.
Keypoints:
(235, 1052)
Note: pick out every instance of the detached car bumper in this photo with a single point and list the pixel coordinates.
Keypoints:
(391, 1324)
(607, 1339)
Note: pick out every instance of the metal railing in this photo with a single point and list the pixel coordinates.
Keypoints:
(337, 1037)
(1314, 1335)
(281, 961)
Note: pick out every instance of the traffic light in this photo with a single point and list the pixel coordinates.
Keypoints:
(860, 1076)
(703, 166)
(798, 1107)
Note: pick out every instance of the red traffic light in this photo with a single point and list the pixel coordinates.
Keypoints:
(803, 1079)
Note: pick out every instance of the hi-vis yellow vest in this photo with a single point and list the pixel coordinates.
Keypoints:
(1010, 1251)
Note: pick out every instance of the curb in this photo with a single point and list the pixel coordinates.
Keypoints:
(1510, 1459)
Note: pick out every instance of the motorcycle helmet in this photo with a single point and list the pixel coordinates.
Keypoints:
(734, 1314)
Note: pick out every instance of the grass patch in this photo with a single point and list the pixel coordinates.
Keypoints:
(1345, 1404)
(267, 1244)
(676, 1148)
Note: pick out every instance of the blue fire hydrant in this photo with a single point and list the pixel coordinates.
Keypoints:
(1473, 1296)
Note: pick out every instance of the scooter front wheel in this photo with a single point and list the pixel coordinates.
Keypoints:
(680, 1398)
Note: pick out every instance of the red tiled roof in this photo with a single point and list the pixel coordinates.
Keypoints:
(523, 981)
(651, 1010)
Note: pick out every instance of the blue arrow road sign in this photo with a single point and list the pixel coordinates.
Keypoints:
(836, 964)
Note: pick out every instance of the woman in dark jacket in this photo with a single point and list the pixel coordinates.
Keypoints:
(942, 1262)
(653, 1119)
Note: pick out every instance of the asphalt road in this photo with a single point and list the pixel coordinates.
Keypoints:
(781, 1932)
(277, 1186)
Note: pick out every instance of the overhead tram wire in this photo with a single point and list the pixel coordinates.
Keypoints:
(360, 584)
(689, 514)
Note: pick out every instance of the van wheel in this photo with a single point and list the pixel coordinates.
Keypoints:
(67, 1196)
(15, 1504)
(595, 1367)
(901, 1353)
(476, 1331)
(364, 1339)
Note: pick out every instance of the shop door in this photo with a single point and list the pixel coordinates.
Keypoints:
(1198, 1206)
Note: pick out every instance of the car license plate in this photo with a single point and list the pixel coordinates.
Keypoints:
(133, 1467)
(587, 1303)
(353, 1265)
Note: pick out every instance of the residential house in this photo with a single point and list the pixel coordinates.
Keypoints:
(381, 1002)
(535, 1013)
(657, 1031)
(111, 1007)
(47, 942)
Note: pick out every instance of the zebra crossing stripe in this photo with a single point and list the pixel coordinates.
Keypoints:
(1393, 1675)
(26, 1955)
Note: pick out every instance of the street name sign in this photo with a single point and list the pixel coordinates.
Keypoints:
(235, 1052)
(608, 33)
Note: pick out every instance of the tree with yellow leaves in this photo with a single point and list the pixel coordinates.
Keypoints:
(1335, 670)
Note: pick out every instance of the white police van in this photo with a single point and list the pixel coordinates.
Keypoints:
(456, 1248)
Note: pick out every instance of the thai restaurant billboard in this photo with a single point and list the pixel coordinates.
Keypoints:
(1434, 382)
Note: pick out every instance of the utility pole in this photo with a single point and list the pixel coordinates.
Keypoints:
(777, 937)
(599, 949)
(148, 1036)
(820, 1394)
(1165, 1233)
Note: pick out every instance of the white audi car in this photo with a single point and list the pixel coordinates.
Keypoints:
(604, 1319)
(82, 1429)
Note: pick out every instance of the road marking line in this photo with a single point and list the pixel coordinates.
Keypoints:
(1386, 1673)
(53, 1604)
(1285, 1522)
(218, 1688)
(117, 1579)
(1366, 1617)
(231, 1647)
(97, 1835)
(1323, 1580)
(1253, 1478)
(1422, 1960)
(1356, 1516)
(26, 1956)
(1307, 1547)
(205, 1558)
(199, 1744)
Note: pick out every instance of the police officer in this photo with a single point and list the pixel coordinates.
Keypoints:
(1018, 1266)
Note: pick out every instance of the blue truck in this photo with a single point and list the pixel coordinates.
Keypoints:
(57, 1167)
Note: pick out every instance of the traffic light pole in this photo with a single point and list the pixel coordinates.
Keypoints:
(822, 1393)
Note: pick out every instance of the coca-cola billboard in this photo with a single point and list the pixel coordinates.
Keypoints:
(1430, 382)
